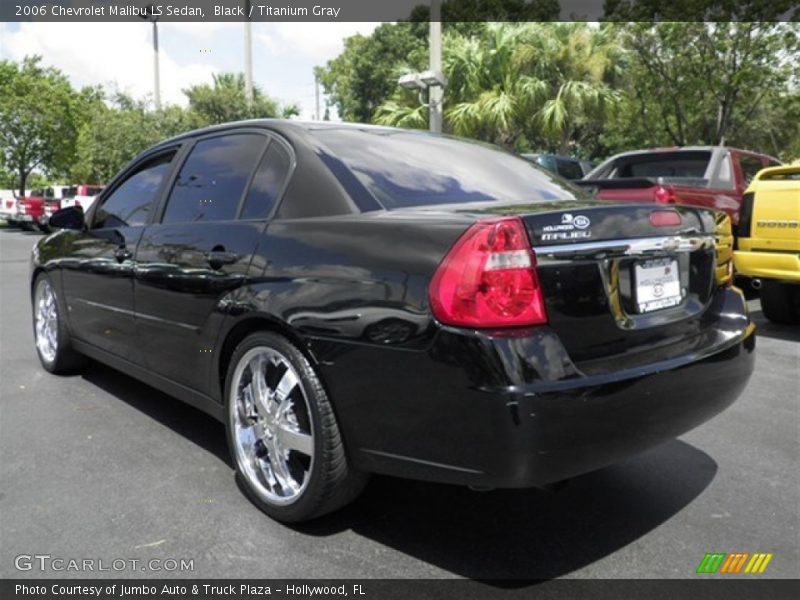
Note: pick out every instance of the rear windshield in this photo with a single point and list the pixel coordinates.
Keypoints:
(406, 168)
(658, 164)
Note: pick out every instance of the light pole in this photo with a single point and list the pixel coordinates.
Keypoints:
(316, 95)
(149, 16)
(248, 57)
(435, 93)
(431, 80)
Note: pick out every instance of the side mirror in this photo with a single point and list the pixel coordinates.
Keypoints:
(68, 218)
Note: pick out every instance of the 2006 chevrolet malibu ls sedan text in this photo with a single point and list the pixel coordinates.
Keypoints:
(352, 299)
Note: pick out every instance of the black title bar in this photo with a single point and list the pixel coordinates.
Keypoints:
(705, 587)
(397, 10)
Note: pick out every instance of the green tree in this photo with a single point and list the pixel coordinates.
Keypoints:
(118, 130)
(39, 117)
(225, 100)
(365, 74)
(582, 66)
(7, 179)
(516, 81)
(700, 10)
(702, 83)
(468, 17)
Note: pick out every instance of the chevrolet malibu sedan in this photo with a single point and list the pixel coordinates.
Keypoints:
(351, 300)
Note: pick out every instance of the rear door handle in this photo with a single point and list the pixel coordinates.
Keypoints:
(217, 258)
(122, 254)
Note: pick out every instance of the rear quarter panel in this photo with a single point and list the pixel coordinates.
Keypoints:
(360, 279)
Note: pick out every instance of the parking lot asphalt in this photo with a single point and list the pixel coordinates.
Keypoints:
(100, 466)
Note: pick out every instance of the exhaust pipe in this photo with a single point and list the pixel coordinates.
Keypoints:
(756, 284)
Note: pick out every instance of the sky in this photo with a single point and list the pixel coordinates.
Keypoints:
(120, 54)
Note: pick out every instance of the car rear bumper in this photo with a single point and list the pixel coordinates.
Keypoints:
(513, 412)
(782, 266)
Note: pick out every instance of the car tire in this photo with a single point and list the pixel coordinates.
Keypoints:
(282, 432)
(780, 302)
(51, 337)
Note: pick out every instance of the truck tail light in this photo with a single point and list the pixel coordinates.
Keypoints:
(488, 279)
(724, 250)
(744, 227)
(664, 195)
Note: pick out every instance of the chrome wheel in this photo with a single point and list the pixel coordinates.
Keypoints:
(46, 320)
(271, 424)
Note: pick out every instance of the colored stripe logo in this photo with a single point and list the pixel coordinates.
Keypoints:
(735, 562)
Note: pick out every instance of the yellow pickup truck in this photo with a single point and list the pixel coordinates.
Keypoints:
(768, 241)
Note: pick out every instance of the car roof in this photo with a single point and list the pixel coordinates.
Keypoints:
(668, 149)
(283, 125)
(547, 154)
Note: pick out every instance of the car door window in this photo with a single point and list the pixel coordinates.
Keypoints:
(211, 182)
(267, 183)
(130, 203)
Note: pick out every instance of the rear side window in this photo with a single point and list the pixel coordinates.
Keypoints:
(677, 164)
(211, 182)
(402, 168)
(267, 182)
(131, 202)
(684, 163)
(750, 166)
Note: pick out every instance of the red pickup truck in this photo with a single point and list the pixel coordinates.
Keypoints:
(707, 176)
(42, 203)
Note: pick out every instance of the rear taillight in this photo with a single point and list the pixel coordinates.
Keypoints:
(745, 215)
(664, 195)
(724, 250)
(488, 279)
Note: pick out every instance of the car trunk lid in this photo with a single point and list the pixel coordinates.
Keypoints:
(622, 280)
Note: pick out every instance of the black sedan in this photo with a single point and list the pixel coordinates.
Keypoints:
(352, 299)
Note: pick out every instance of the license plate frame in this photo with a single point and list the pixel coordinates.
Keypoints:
(657, 284)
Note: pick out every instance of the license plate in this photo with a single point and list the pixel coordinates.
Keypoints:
(658, 284)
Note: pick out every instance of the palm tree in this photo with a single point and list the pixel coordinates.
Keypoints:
(546, 79)
(494, 86)
(582, 65)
